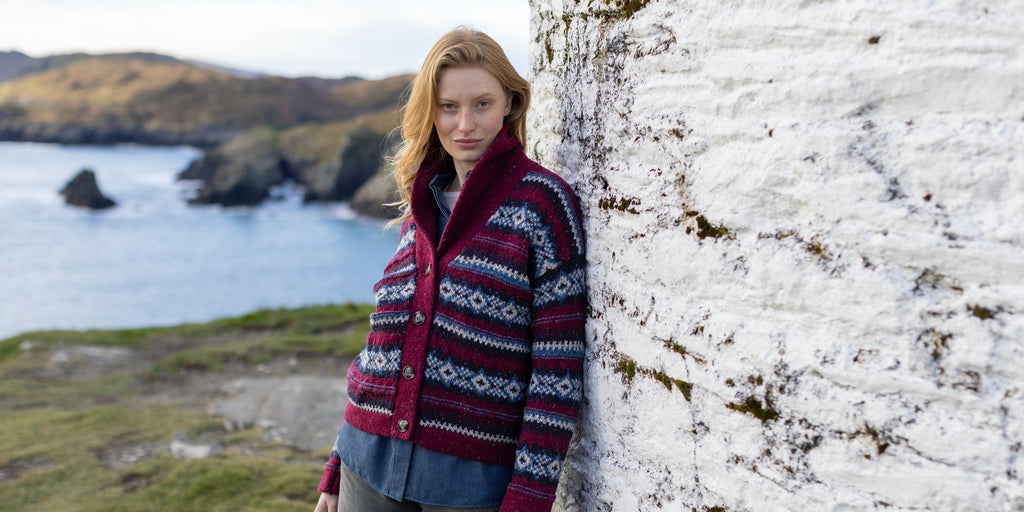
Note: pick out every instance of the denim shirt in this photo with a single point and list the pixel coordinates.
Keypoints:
(437, 186)
(401, 470)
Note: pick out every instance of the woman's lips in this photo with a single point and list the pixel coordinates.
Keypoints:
(467, 143)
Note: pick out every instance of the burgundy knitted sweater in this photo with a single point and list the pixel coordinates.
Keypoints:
(476, 346)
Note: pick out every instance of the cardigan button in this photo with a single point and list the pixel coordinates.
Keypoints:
(418, 318)
(428, 268)
(408, 372)
(403, 425)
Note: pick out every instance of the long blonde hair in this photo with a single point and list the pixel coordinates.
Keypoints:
(460, 48)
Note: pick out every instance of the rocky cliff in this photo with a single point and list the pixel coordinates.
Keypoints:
(807, 269)
(330, 161)
(259, 131)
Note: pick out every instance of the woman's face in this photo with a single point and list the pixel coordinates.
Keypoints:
(471, 109)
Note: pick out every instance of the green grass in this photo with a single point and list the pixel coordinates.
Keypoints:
(67, 443)
(21, 392)
(45, 339)
(306, 320)
(214, 358)
(57, 430)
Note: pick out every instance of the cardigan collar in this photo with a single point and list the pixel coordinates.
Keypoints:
(486, 186)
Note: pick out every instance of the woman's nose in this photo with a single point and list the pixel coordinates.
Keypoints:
(466, 121)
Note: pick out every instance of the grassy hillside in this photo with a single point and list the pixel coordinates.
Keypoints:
(97, 440)
(123, 95)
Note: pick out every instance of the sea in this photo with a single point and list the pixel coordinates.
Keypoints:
(156, 260)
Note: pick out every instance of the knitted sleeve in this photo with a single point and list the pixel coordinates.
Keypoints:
(555, 390)
(330, 482)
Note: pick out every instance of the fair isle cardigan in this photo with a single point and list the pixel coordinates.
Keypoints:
(476, 346)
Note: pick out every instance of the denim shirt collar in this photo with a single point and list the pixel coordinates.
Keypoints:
(437, 186)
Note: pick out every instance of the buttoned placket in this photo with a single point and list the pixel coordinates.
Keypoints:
(414, 350)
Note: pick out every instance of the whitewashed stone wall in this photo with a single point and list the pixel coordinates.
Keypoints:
(806, 229)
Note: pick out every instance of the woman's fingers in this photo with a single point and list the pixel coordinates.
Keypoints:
(327, 503)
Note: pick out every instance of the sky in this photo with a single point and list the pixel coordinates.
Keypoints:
(327, 38)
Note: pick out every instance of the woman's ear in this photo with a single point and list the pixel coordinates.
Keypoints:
(508, 104)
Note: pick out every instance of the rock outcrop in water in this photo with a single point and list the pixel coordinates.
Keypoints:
(83, 191)
(239, 173)
(332, 162)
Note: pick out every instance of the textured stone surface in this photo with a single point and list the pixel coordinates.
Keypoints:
(807, 257)
(301, 411)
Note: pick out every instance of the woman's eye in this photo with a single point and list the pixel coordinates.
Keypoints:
(447, 106)
(483, 104)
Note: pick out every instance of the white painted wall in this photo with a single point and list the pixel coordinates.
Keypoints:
(862, 165)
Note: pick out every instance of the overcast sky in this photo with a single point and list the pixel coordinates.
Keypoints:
(329, 38)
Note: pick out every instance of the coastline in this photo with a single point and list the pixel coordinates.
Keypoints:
(156, 260)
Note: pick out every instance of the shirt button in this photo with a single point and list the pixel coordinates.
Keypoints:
(418, 318)
(408, 372)
(403, 425)
(428, 268)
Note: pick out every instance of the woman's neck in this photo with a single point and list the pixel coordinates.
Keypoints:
(456, 184)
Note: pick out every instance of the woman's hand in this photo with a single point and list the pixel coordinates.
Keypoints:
(327, 503)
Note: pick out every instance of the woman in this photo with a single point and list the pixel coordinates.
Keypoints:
(466, 395)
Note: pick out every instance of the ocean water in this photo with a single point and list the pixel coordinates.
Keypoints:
(153, 259)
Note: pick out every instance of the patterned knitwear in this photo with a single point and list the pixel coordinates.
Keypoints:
(476, 345)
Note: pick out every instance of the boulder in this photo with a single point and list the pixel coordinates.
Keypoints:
(82, 190)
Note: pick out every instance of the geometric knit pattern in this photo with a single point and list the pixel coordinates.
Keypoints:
(476, 345)
(472, 381)
(479, 301)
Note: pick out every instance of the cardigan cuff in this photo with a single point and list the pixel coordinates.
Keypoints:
(522, 499)
(330, 482)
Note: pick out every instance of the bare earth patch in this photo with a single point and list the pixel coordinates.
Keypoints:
(16, 469)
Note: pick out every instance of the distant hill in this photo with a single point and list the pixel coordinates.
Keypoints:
(155, 99)
(241, 73)
(14, 64)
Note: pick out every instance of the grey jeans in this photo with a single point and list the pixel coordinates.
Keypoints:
(355, 495)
